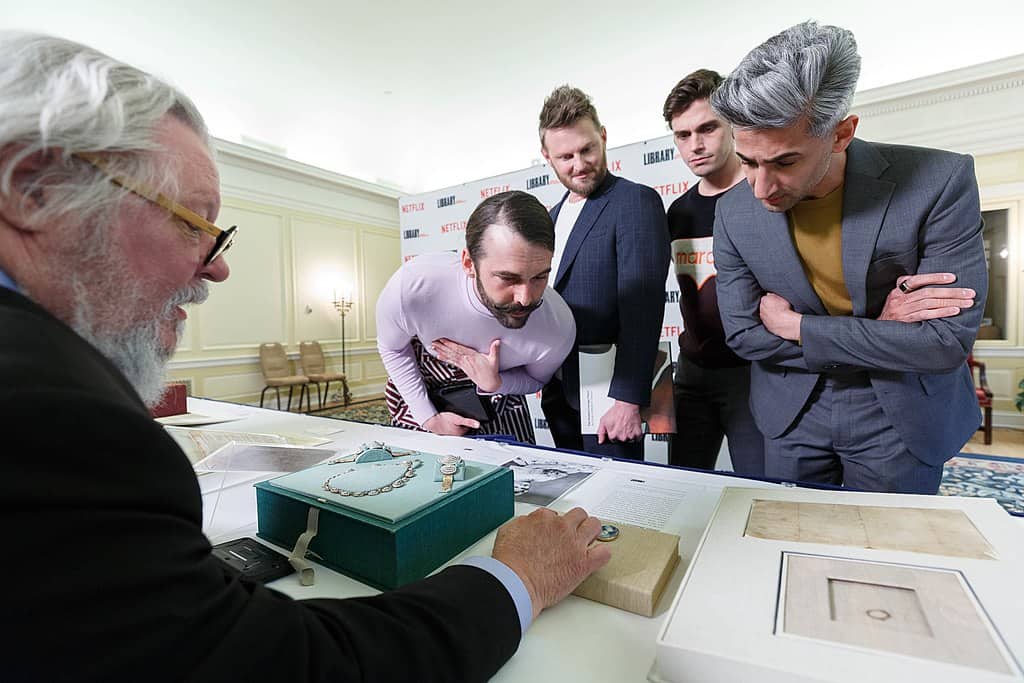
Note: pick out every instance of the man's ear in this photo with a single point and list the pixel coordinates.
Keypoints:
(467, 263)
(845, 131)
(23, 193)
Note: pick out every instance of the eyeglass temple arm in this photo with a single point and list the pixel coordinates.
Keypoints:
(152, 195)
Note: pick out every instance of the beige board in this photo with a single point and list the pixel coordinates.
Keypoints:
(634, 579)
(915, 611)
(920, 530)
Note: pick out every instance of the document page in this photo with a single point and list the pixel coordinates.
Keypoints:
(643, 501)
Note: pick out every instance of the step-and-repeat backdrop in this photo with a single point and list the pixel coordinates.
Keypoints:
(436, 221)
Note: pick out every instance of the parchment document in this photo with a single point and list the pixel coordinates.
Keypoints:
(918, 530)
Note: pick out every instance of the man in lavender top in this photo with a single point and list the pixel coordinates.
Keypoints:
(484, 316)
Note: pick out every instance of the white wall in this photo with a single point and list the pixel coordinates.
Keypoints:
(296, 225)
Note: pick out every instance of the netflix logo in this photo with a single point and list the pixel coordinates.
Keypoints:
(615, 166)
(491, 191)
(412, 208)
(671, 331)
(672, 188)
(456, 226)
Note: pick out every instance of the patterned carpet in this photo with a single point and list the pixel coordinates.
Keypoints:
(986, 476)
(371, 412)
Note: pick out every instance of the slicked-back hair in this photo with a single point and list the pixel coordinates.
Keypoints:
(564, 107)
(521, 212)
(697, 86)
(807, 71)
(61, 98)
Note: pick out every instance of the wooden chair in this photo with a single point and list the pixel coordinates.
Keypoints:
(277, 374)
(983, 393)
(315, 367)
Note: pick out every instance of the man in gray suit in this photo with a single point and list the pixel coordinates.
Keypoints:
(834, 264)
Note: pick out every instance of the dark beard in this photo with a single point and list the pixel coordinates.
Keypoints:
(503, 313)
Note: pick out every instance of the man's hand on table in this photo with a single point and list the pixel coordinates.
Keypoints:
(551, 553)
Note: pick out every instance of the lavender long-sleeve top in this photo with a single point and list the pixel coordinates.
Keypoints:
(431, 297)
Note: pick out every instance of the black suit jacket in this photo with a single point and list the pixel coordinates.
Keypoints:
(612, 275)
(107, 575)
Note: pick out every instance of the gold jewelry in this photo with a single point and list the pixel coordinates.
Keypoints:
(449, 466)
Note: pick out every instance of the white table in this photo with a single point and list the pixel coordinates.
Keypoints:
(577, 640)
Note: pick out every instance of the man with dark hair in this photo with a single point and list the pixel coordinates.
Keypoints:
(828, 259)
(486, 318)
(108, 198)
(711, 384)
(611, 255)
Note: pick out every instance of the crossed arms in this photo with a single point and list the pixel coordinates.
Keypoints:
(929, 329)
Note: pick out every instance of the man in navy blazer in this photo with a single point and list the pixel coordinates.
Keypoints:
(611, 259)
(830, 264)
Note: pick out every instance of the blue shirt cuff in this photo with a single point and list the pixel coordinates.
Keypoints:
(7, 282)
(512, 583)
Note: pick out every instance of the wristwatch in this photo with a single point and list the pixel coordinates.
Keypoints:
(449, 466)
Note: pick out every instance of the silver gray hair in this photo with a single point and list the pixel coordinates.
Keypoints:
(806, 71)
(61, 98)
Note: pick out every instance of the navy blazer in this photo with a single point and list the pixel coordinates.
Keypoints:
(612, 275)
(906, 210)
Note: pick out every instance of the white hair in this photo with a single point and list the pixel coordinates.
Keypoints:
(61, 98)
(806, 71)
(135, 350)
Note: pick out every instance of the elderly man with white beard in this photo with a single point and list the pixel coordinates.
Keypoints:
(108, 202)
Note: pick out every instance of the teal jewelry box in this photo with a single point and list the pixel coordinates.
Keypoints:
(386, 523)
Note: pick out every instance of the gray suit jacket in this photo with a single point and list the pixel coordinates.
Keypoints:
(906, 210)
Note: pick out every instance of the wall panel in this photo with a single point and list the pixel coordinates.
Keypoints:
(249, 307)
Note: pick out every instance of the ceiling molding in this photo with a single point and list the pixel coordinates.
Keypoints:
(265, 162)
(953, 92)
(264, 197)
(995, 71)
(961, 101)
